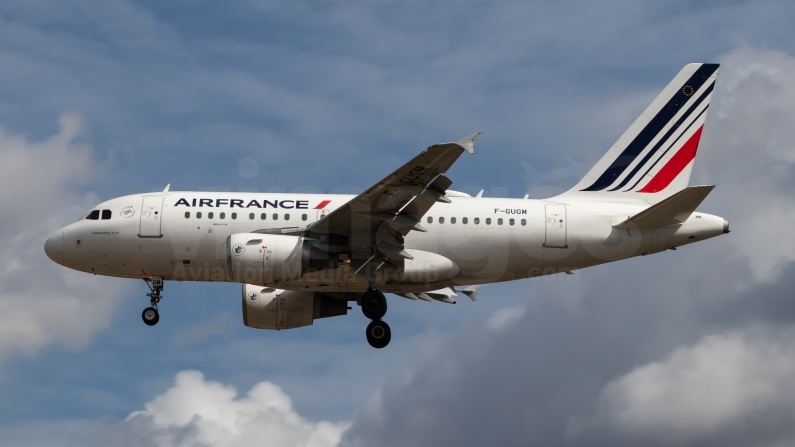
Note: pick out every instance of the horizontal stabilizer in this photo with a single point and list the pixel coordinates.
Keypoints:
(671, 211)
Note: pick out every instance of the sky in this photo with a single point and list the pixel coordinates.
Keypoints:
(100, 99)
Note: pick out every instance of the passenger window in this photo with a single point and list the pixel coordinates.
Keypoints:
(499, 221)
(430, 219)
(488, 221)
(199, 215)
(452, 220)
(106, 214)
(251, 216)
(286, 217)
(210, 215)
(263, 216)
(187, 214)
(234, 216)
(303, 216)
(275, 216)
(524, 222)
(93, 215)
(441, 220)
(464, 220)
(476, 220)
(511, 221)
(222, 215)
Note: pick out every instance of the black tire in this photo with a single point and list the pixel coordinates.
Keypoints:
(151, 316)
(373, 304)
(378, 334)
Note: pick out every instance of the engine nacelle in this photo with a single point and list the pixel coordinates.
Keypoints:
(264, 258)
(269, 308)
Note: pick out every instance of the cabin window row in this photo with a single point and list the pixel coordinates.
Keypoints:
(251, 216)
(476, 221)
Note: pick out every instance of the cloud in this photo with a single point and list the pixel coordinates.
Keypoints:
(372, 85)
(504, 317)
(685, 348)
(723, 382)
(200, 412)
(42, 302)
(748, 152)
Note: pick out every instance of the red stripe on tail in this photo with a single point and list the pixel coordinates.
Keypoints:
(675, 165)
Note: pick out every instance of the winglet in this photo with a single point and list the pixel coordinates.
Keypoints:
(167, 187)
(468, 143)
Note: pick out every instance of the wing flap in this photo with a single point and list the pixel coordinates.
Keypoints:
(444, 295)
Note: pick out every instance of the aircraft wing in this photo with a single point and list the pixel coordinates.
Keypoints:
(376, 220)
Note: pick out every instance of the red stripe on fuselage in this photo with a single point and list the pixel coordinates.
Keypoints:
(322, 204)
(675, 165)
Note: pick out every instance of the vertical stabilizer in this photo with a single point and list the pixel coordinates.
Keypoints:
(653, 159)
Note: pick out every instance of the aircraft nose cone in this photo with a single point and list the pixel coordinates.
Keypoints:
(53, 247)
(726, 226)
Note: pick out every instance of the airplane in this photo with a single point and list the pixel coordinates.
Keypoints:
(301, 257)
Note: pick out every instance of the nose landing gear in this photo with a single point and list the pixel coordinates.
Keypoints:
(150, 315)
(374, 308)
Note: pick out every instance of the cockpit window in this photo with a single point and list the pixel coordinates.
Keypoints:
(92, 215)
(105, 214)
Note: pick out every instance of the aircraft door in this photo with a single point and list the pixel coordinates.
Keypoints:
(151, 217)
(555, 226)
(321, 214)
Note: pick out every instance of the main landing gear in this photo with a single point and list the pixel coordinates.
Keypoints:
(150, 315)
(374, 308)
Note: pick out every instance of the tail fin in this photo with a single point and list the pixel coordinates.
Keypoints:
(653, 159)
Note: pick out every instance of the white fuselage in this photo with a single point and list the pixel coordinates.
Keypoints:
(488, 239)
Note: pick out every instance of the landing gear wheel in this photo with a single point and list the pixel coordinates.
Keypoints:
(374, 304)
(378, 334)
(150, 316)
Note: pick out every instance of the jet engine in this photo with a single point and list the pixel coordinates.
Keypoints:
(269, 308)
(257, 258)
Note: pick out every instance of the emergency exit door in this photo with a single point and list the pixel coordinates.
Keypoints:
(555, 226)
(151, 217)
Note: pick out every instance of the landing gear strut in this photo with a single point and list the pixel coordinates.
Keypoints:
(150, 315)
(374, 308)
